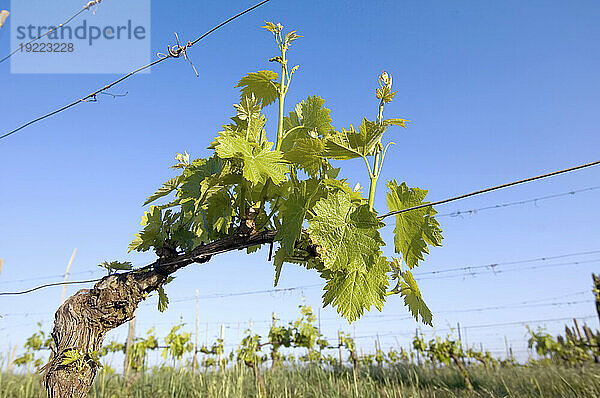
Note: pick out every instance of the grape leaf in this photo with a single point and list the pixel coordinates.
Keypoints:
(70, 356)
(231, 146)
(262, 85)
(349, 144)
(256, 129)
(153, 233)
(289, 38)
(344, 145)
(415, 229)
(219, 213)
(166, 189)
(307, 155)
(278, 261)
(309, 120)
(292, 212)
(116, 266)
(197, 180)
(163, 300)
(261, 164)
(349, 235)
(333, 185)
(184, 238)
(248, 108)
(354, 292)
(396, 122)
(270, 26)
(371, 133)
(413, 299)
(314, 116)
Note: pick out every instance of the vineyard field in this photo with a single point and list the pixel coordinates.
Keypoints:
(293, 381)
(413, 217)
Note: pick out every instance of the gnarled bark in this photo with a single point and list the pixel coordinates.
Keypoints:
(84, 319)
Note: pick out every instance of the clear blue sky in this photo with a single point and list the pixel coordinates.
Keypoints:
(496, 91)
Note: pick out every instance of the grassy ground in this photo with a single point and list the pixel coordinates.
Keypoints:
(401, 381)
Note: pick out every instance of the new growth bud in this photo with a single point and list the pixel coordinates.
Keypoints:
(3, 15)
(385, 80)
(384, 92)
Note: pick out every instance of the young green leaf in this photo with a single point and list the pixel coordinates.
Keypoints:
(248, 108)
(354, 292)
(166, 189)
(413, 299)
(333, 185)
(260, 164)
(153, 234)
(231, 146)
(163, 300)
(371, 133)
(415, 229)
(309, 120)
(292, 212)
(71, 356)
(273, 28)
(314, 116)
(116, 266)
(307, 154)
(396, 122)
(289, 38)
(262, 85)
(278, 260)
(344, 145)
(349, 144)
(348, 234)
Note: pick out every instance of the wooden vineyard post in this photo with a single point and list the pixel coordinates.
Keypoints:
(11, 358)
(418, 356)
(590, 338)
(597, 293)
(274, 347)
(577, 330)
(195, 360)
(62, 300)
(340, 347)
(206, 345)
(319, 326)
(221, 358)
(377, 353)
(128, 346)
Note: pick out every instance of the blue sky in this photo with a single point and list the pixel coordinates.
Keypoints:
(496, 91)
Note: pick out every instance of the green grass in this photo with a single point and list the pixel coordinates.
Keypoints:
(291, 381)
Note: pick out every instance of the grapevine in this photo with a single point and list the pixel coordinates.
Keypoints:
(250, 192)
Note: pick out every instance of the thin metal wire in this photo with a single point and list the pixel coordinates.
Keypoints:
(86, 7)
(482, 191)
(48, 285)
(459, 213)
(494, 265)
(395, 333)
(468, 273)
(172, 54)
(456, 213)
